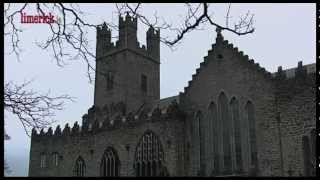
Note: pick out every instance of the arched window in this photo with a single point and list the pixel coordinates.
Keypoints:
(149, 156)
(235, 117)
(200, 138)
(109, 165)
(213, 139)
(195, 142)
(80, 167)
(55, 159)
(226, 134)
(252, 136)
(43, 160)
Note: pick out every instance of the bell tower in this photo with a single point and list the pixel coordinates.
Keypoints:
(125, 71)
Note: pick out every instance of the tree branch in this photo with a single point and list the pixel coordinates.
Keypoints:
(34, 110)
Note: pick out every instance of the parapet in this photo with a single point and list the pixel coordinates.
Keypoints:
(300, 70)
(127, 39)
(164, 110)
(127, 21)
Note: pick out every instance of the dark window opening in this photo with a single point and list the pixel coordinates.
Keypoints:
(43, 160)
(144, 83)
(110, 80)
(80, 167)
(55, 158)
(235, 117)
(109, 163)
(226, 132)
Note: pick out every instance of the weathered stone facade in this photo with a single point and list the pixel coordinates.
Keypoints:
(233, 119)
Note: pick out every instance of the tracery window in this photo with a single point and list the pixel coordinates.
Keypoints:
(149, 156)
(80, 167)
(227, 133)
(109, 165)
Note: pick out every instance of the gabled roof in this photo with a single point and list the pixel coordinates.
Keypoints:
(220, 42)
(310, 68)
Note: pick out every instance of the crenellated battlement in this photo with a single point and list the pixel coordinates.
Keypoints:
(128, 39)
(299, 71)
(109, 123)
(127, 21)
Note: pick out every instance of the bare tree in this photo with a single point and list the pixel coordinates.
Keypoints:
(6, 167)
(34, 110)
(67, 39)
(71, 30)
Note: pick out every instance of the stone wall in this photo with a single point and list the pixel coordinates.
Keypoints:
(283, 104)
(127, 66)
(227, 70)
(122, 136)
(296, 99)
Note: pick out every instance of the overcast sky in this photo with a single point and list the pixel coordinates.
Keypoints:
(285, 34)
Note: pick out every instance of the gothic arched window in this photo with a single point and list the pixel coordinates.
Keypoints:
(110, 80)
(226, 133)
(235, 117)
(149, 156)
(213, 139)
(200, 140)
(252, 136)
(80, 167)
(43, 160)
(55, 159)
(109, 165)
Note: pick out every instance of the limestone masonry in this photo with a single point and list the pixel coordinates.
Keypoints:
(233, 119)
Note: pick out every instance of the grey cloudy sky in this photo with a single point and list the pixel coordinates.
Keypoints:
(285, 34)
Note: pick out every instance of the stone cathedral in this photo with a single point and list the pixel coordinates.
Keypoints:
(233, 119)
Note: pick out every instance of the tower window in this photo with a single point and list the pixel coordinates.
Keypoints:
(144, 83)
(109, 80)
